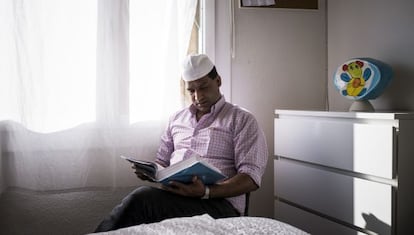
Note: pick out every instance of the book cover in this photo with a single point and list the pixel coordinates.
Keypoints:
(182, 171)
(148, 168)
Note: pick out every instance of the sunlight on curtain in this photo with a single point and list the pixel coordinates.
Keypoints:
(47, 57)
(159, 37)
(82, 82)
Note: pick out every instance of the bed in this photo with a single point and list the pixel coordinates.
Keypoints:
(205, 224)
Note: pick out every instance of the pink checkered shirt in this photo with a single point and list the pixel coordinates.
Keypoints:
(228, 137)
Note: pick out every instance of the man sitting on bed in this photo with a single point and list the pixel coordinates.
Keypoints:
(225, 135)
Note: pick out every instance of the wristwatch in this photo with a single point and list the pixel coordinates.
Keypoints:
(206, 193)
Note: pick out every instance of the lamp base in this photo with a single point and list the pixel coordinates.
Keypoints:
(361, 106)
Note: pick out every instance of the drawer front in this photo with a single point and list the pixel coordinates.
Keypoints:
(359, 147)
(309, 222)
(355, 201)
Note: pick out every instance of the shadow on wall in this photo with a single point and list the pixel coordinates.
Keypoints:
(374, 224)
(399, 95)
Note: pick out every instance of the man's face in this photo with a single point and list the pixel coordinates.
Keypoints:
(204, 93)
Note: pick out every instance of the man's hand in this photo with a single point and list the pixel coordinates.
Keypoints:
(141, 174)
(194, 189)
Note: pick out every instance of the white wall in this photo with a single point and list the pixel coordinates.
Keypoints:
(379, 29)
(280, 62)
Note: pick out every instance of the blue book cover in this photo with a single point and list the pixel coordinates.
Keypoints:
(182, 171)
(185, 170)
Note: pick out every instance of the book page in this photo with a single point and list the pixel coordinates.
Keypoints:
(159, 167)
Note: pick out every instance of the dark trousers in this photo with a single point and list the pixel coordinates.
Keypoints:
(148, 204)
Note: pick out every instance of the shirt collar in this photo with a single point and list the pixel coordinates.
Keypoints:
(215, 108)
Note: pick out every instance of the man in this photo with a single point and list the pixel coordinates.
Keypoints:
(225, 135)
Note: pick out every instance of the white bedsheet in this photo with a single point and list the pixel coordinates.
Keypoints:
(204, 224)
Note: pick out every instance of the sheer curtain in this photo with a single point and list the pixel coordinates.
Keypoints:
(82, 82)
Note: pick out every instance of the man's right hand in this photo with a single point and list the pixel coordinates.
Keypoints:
(194, 189)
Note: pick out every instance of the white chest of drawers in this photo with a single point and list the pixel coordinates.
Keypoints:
(345, 172)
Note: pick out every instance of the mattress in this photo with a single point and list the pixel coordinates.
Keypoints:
(205, 224)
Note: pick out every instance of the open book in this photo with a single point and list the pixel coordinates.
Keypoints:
(182, 171)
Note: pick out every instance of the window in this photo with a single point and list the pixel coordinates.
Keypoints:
(74, 76)
(48, 61)
(148, 45)
(110, 63)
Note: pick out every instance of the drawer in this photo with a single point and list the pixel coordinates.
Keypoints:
(309, 222)
(355, 201)
(360, 147)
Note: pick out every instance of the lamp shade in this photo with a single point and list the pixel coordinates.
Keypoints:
(362, 78)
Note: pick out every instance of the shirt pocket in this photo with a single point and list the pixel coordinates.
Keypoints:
(220, 142)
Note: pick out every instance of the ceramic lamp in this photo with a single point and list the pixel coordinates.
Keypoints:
(361, 80)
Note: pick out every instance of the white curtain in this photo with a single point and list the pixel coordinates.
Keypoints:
(82, 82)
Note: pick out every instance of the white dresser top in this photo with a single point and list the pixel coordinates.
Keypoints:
(358, 115)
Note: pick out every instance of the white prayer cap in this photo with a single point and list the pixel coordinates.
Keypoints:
(195, 67)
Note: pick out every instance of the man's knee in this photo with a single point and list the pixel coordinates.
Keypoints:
(143, 195)
(146, 192)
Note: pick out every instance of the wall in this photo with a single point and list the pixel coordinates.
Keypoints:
(72, 212)
(379, 29)
(2, 181)
(280, 62)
